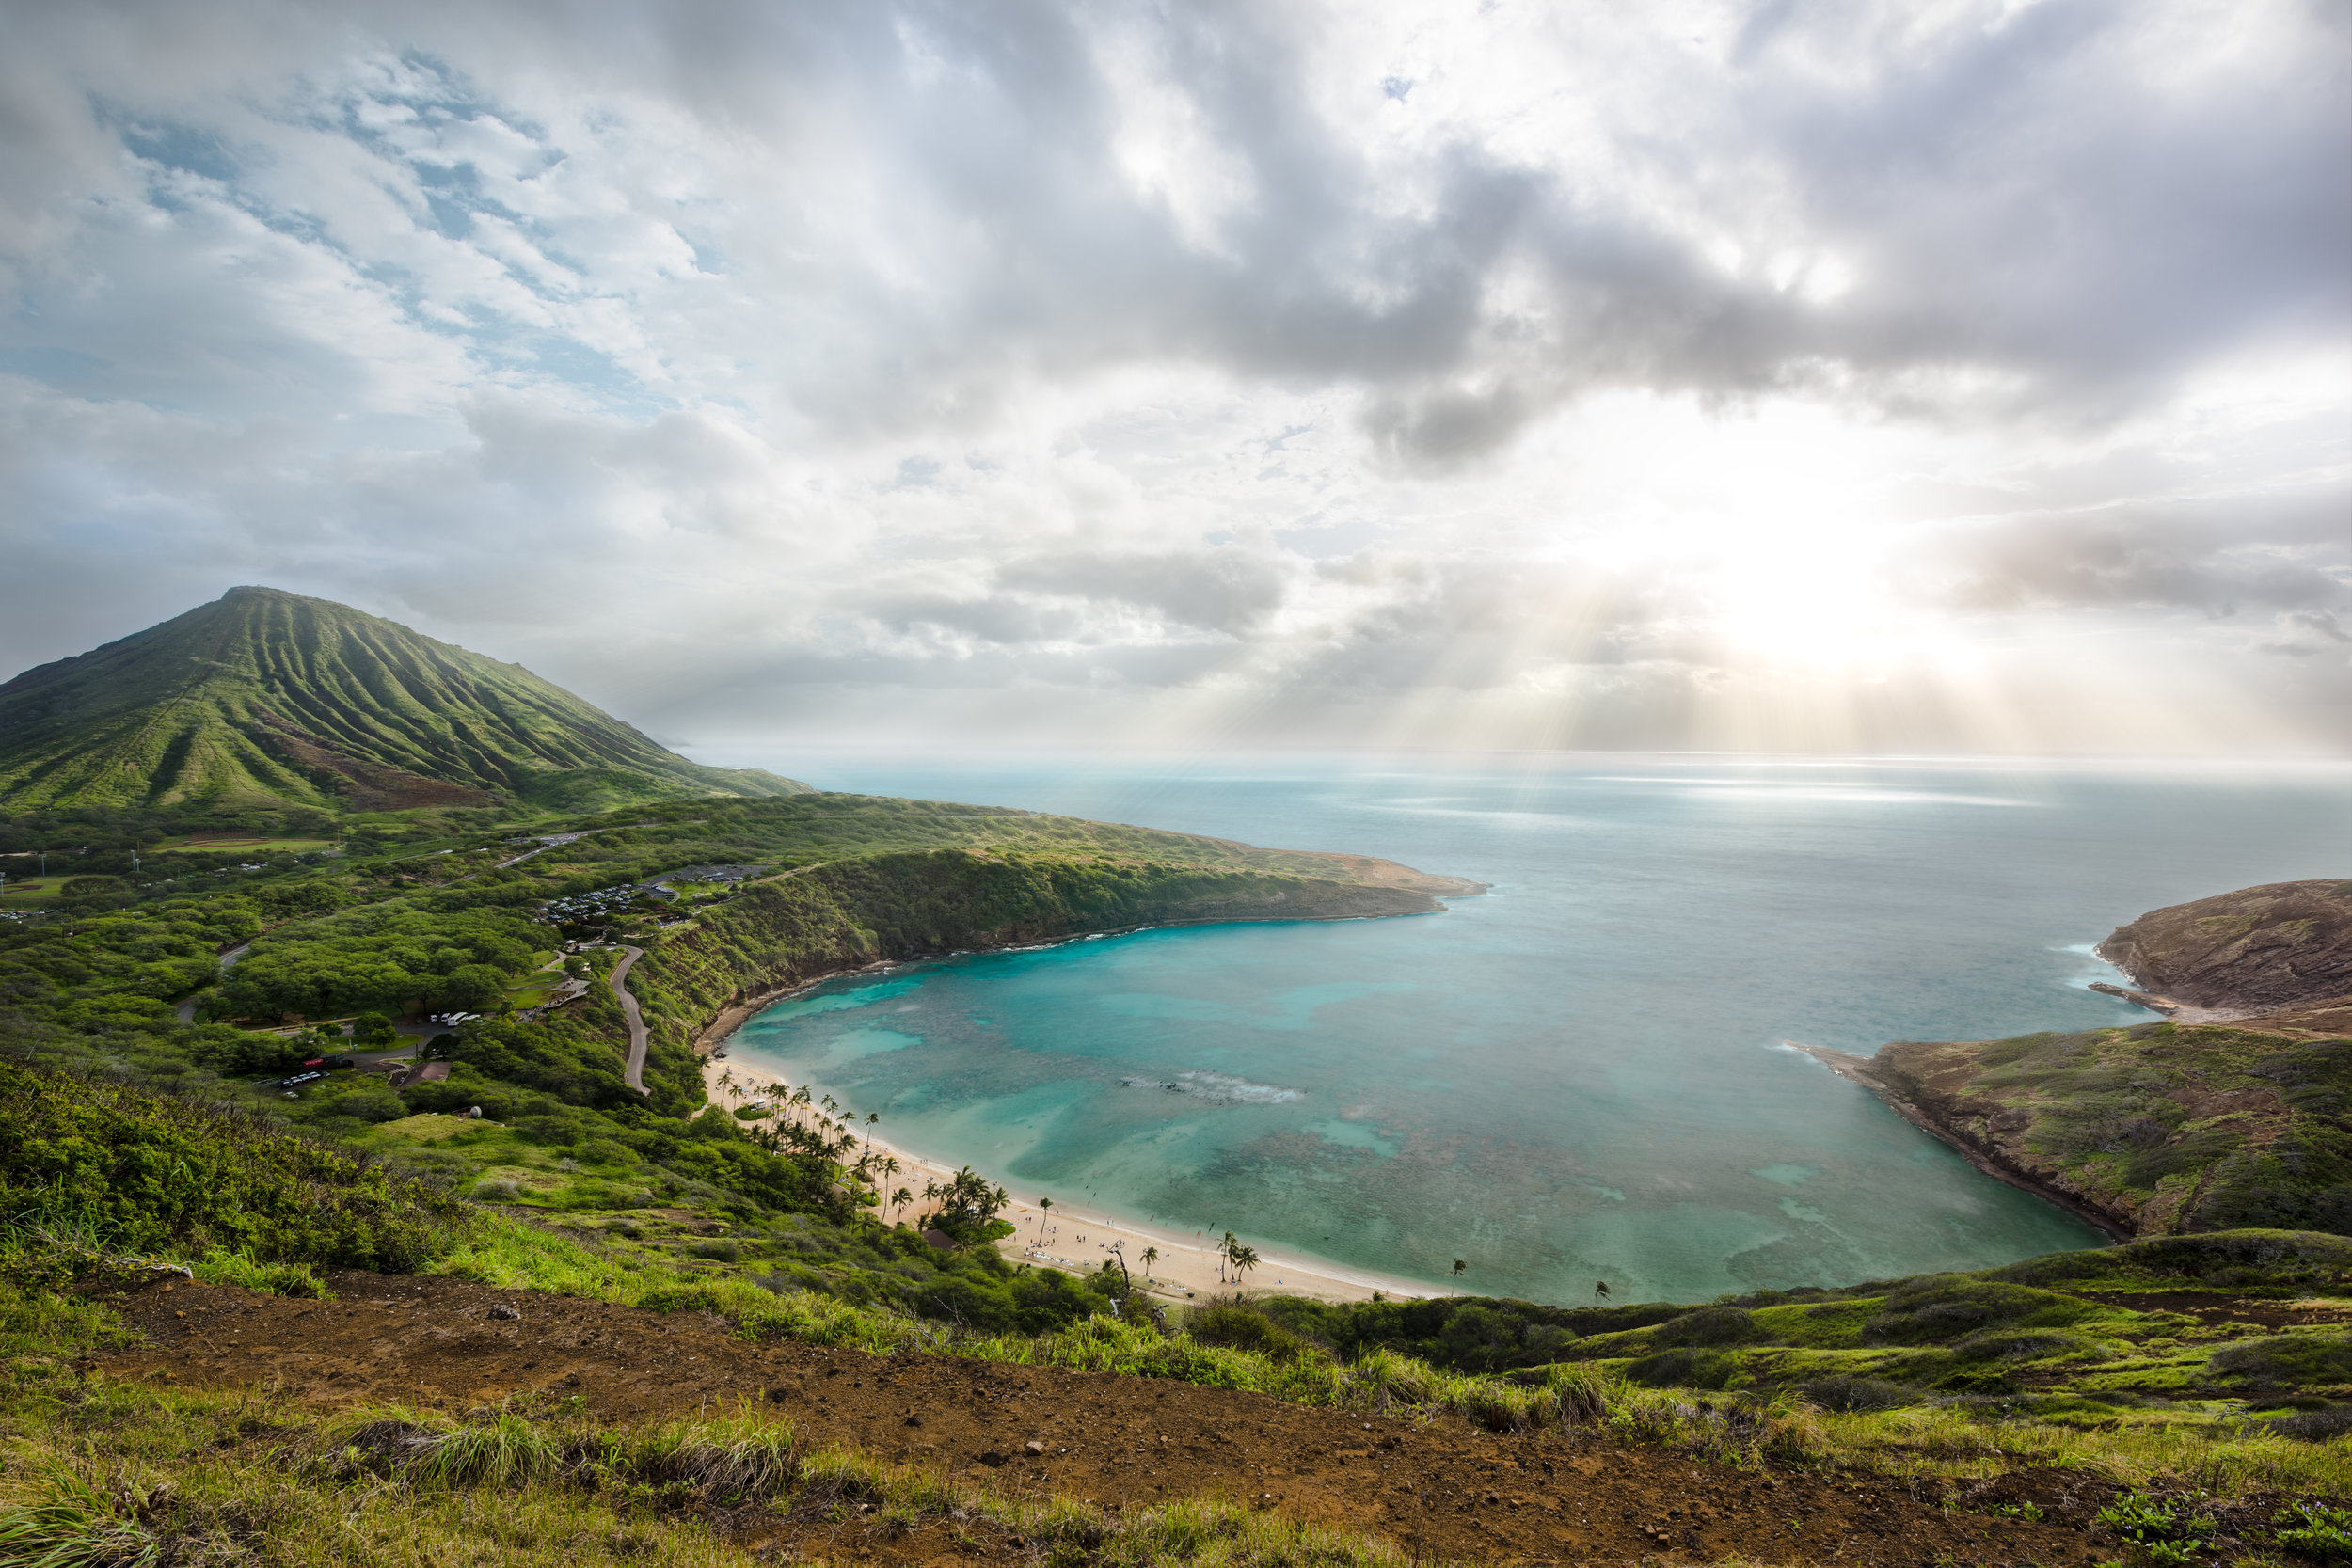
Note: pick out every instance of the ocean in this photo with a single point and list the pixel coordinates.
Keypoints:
(1586, 1074)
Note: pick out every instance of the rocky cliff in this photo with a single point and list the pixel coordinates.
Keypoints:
(2284, 944)
(2236, 1112)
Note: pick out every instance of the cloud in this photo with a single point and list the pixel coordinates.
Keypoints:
(1219, 589)
(2215, 557)
(1600, 368)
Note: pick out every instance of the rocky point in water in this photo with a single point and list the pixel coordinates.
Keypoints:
(2229, 1113)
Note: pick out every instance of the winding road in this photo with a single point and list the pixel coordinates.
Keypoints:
(636, 1070)
(187, 1010)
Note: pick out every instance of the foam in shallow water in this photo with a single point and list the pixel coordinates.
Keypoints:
(1579, 1077)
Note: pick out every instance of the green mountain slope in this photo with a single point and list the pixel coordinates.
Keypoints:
(263, 698)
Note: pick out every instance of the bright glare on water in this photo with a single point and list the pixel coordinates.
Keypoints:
(1581, 1075)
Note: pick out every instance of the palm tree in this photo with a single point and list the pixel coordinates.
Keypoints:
(930, 1191)
(1458, 1267)
(1245, 1259)
(890, 1167)
(1151, 1256)
(873, 1119)
(1600, 1290)
(899, 1200)
(1227, 1251)
(1044, 1207)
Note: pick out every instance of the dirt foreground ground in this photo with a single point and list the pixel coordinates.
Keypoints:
(1442, 1489)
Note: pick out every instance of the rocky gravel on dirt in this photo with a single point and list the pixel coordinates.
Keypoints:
(1439, 1488)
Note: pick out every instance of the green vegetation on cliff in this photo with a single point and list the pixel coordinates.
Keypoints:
(2162, 1128)
(264, 699)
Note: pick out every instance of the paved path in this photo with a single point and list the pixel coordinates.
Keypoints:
(636, 1072)
(547, 841)
(227, 961)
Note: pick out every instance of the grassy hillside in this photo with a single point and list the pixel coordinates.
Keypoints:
(92, 1172)
(122, 974)
(2163, 1403)
(269, 699)
(2161, 1127)
(2255, 1318)
(2193, 1391)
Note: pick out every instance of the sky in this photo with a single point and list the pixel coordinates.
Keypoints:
(1931, 376)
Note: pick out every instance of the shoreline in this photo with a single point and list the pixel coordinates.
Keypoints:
(1076, 1239)
(1856, 1070)
(731, 1018)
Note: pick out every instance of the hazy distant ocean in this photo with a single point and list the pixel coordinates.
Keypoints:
(1581, 1075)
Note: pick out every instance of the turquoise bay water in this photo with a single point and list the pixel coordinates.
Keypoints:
(1582, 1075)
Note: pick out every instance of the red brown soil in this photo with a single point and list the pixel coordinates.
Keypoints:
(1437, 1488)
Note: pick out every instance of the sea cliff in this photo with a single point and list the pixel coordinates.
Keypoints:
(2232, 1112)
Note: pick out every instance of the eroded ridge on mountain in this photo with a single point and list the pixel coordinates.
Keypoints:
(267, 700)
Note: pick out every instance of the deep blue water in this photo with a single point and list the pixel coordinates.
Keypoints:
(1581, 1075)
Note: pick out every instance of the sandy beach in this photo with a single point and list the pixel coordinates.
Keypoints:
(1079, 1239)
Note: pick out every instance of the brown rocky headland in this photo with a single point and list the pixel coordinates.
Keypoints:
(2230, 1113)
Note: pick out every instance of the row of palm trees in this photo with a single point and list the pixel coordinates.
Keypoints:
(823, 1121)
(803, 1111)
(822, 1115)
(819, 1125)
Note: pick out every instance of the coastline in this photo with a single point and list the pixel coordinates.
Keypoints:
(1078, 1239)
(727, 1020)
(1857, 1070)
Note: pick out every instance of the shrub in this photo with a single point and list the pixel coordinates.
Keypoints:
(137, 1171)
(2316, 1426)
(2290, 1359)
(1236, 1327)
(2013, 1345)
(2315, 1530)
(1709, 1325)
(1684, 1367)
(1939, 1309)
